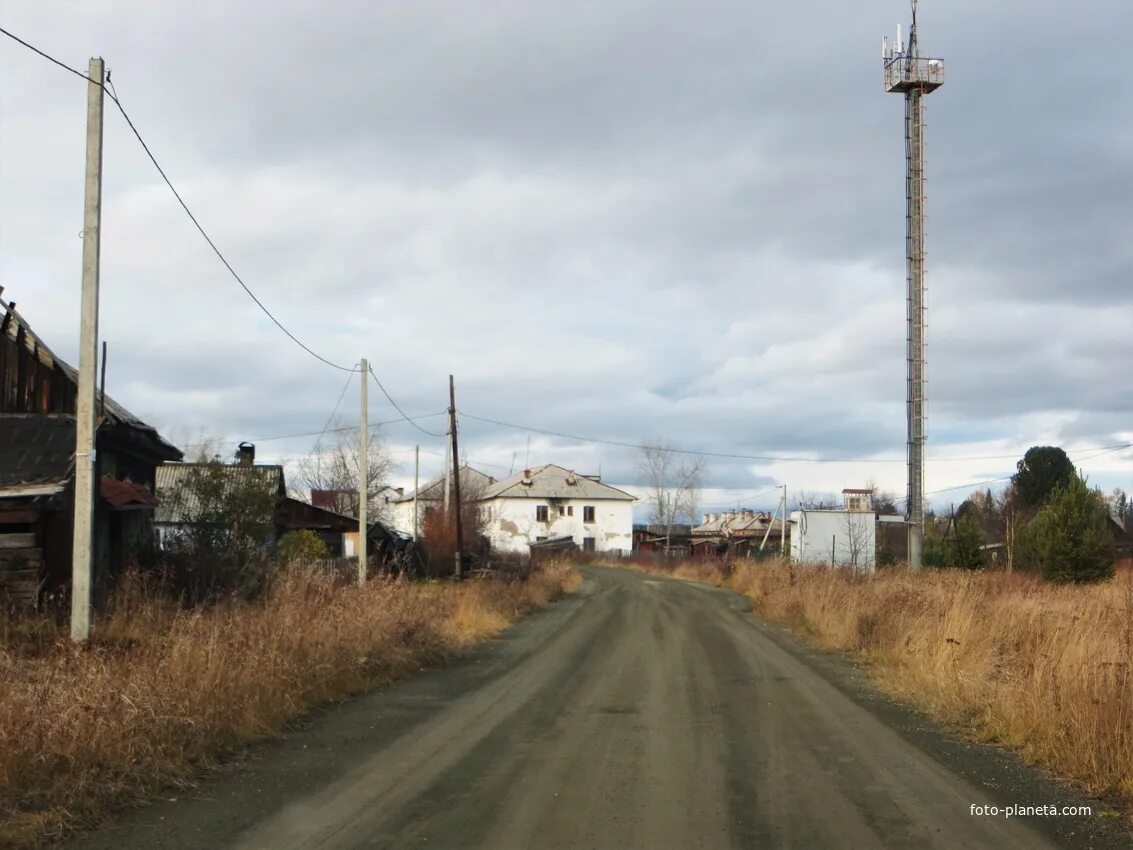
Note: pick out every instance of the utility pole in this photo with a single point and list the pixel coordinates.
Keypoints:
(786, 523)
(448, 471)
(907, 73)
(455, 477)
(82, 544)
(783, 527)
(363, 474)
(416, 487)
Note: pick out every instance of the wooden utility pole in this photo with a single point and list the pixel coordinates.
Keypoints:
(455, 477)
(82, 543)
(416, 487)
(102, 386)
(363, 474)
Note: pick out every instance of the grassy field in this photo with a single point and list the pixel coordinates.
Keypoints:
(163, 691)
(1008, 659)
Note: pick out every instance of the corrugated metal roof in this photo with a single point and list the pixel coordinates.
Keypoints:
(553, 482)
(177, 504)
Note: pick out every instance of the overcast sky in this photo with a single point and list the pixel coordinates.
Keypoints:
(640, 221)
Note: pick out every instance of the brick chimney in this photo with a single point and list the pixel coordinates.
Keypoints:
(246, 454)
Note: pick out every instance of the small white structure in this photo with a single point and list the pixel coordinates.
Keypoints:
(838, 538)
(551, 502)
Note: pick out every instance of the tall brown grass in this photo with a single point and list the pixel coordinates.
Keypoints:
(1046, 670)
(162, 691)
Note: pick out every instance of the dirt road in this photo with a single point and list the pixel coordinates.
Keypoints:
(640, 713)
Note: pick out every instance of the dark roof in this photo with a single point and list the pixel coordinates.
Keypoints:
(38, 450)
(114, 414)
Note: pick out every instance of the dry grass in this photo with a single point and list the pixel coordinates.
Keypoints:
(163, 691)
(1009, 659)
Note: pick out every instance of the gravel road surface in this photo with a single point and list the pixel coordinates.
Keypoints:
(639, 714)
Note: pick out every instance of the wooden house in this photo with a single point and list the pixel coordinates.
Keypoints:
(38, 394)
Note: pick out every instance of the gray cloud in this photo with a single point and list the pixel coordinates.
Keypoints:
(680, 220)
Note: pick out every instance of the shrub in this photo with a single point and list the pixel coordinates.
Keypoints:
(1068, 540)
(296, 548)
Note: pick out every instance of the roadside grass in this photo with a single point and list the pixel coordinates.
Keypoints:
(1008, 659)
(162, 691)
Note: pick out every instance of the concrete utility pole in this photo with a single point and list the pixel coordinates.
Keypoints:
(363, 474)
(82, 557)
(416, 487)
(914, 77)
(786, 523)
(456, 477)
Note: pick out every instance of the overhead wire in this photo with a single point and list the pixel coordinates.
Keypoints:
(772, 458)
(112, 94)
(180, 200)
(334, 412)
(398, 408)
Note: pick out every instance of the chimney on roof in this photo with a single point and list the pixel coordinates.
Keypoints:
(707, 519)
(246, 454)
(527, 473)
(746, 513)
(400, 491)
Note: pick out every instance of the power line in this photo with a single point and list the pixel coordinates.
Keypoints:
(399, 410)
(671, 450)
(327, 431)
(974, 485)
(330, 418)
(779, 459)
(184, 206)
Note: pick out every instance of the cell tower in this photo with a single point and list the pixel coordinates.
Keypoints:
(907, 73)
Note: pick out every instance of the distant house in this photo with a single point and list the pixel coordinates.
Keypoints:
(654, 537)
(551, 502)
(180, 508)
(739, 532)
(345, 502)
(431, 497)
(38, 394)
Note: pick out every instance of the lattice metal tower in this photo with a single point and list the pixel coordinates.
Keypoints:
(908, 73)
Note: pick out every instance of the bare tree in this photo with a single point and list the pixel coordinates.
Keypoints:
(882, 501)
(857, 538)
(334, 466)
(674, 485)
(810, 501)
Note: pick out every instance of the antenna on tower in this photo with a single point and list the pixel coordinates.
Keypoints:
(905, 72)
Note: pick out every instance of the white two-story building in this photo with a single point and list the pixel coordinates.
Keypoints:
(549, 503)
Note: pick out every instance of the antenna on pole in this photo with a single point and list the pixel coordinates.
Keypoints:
(905, 72)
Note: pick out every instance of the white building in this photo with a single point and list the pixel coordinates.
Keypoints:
(550, 502)
(431, 496)
(839, 538)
